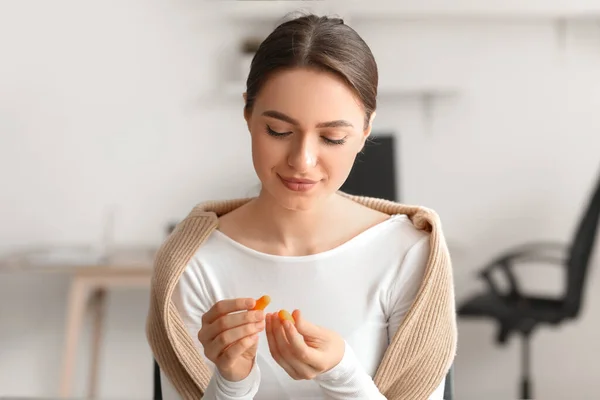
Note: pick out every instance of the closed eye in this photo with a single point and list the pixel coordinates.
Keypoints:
(275, 133)
(334, 141)
(327, 141)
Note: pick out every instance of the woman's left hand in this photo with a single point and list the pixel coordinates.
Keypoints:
(303, 350)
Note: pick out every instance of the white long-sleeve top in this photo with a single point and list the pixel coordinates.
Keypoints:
(361, 289)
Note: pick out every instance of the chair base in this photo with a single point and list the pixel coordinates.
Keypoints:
(526, 389)
(526, 392)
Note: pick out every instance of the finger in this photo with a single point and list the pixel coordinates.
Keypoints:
(271, 338)
(230, 321)
(236, 350)
(301, 350)
(298, 346)
(304, 327)
(294, 351)
(295, 368)
(224, 339)
(225, 307)
(279, 335)
(273, 348)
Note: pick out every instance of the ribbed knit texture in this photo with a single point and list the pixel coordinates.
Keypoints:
(416, 361)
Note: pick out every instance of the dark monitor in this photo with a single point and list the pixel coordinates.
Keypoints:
(374, 171)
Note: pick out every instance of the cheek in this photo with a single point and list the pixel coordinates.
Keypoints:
(339, 163)
(264, 153)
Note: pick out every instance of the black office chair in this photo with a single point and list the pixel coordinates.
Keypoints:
(514, 311)
(448, 387)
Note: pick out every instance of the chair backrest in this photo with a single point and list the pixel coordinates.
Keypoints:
(580, 254)
(157, 390)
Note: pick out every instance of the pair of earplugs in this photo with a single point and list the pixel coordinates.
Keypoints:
(264, 301)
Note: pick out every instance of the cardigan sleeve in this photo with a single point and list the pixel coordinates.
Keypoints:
(407, 284)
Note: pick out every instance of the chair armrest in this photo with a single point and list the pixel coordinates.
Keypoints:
(486, 274)
(536, 252)
(550, 252)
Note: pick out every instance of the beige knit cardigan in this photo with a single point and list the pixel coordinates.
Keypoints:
(416, 361)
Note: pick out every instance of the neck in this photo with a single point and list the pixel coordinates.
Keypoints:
(296, 231)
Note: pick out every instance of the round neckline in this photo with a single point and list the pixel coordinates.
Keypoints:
(310, 257)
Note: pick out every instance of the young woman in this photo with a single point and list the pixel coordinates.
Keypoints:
(370, 281)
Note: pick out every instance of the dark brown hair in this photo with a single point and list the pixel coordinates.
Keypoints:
(317, 42)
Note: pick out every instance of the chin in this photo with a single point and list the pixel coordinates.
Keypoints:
(298, 201)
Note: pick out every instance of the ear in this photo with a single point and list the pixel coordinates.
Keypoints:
(367, 131)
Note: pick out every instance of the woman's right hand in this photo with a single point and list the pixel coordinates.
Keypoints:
(229, 335)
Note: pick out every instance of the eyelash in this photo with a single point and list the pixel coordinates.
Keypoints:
(329, 142)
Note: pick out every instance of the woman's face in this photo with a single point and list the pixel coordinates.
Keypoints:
(307, 127)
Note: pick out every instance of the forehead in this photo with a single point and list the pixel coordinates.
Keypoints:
(310, 96)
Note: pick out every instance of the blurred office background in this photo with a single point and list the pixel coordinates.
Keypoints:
(117, 117)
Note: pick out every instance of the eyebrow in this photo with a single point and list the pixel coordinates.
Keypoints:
(340, 123)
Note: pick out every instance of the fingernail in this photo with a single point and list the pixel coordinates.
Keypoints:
(249, 303)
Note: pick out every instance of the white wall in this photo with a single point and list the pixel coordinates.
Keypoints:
(111, 105)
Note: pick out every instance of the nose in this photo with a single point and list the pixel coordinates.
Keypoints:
(303, 154)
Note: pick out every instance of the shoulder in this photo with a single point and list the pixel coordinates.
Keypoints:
(203, 219)
(411, 254)
(235, 221)
(361, 216)
(405, 243)
(404, 227)
(185, 240)
(404, 231)
(422, 217)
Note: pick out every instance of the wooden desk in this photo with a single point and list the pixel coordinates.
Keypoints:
(89, 287)
(87, 293)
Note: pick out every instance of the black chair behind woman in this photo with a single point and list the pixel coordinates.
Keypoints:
(517, 312)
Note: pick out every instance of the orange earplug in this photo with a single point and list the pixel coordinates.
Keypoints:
(283, 315)
(262, 303)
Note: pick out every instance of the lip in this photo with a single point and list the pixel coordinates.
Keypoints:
(298, 180)
(298, 184)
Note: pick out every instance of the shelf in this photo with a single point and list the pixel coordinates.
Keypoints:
(467, 9)
(269, 10)
(273, 10)
(422, 91)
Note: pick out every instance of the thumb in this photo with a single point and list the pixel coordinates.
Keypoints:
(304, 327)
